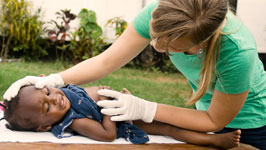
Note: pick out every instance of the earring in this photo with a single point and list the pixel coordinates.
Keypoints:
(200, 53)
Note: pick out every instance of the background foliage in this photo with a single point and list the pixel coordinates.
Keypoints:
(118, 24)
(78, 45)
(20, 30)
(87, 41)
(24, 35)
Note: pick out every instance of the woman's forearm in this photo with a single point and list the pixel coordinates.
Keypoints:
(185, 118)
(85, 72)
(125, 48)
(221, 111)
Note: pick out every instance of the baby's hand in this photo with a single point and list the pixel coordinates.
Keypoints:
(104, 87)
(125, 91)
(103, 97)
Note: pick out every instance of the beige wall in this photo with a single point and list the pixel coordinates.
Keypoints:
(253, 14)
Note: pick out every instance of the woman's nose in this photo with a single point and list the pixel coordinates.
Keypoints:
(160, 50)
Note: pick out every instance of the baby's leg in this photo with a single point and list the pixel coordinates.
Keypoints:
(227, 140)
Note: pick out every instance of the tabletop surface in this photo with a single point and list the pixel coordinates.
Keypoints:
(55, 146)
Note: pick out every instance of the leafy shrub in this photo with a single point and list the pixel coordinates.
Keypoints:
(83, 43)
(20, 30)
(59, 32)
(118, 24)
(87, 41)
(151, 60)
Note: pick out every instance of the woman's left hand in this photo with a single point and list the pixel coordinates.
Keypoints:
(126, 107)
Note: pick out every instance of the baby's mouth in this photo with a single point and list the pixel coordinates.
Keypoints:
(62, 102)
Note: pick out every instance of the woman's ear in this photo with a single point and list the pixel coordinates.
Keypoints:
(44, 128)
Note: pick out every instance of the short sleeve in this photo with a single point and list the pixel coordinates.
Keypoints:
(235, 72)
(142, 21)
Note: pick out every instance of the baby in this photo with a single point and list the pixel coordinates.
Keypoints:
(74, 108)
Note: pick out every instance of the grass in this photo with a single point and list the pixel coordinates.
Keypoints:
(170, 89)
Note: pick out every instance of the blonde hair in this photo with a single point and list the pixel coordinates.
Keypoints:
(200, 20)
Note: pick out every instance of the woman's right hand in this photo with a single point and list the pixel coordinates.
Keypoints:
(12, 91)
(53, 80)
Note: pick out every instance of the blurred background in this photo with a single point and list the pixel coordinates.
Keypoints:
(251, 12)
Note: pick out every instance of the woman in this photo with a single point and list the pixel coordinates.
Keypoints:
(208, 45)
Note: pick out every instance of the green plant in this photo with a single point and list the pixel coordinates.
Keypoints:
(60, 31)
(86, 42)
(151, 60)
(88, 22)
(83, 43)
(20, 29)
(118, 24)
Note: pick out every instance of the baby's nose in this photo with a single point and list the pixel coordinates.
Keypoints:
(54, 100)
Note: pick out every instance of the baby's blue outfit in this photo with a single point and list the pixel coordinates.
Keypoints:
(82, 106)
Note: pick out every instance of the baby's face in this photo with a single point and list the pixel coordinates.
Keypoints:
(44, 107)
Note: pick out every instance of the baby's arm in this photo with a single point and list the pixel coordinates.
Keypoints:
(105, 131)
(93, 93)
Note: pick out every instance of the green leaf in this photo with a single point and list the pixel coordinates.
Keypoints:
(96, 32)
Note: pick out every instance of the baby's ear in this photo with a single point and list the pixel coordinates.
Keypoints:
(44, 128)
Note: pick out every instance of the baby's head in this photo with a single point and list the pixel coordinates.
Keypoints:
(36, 109)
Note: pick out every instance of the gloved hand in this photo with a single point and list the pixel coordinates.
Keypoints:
(12, 91)
(126, 107)
(53, 80)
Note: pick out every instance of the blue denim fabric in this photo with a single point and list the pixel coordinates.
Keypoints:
(255, 137)
(82, 106)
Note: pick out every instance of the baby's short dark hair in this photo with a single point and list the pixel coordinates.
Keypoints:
(16, 121)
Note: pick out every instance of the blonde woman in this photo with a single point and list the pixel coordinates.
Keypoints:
(208, 45)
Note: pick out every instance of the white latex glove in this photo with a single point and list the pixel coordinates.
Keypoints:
(53, 80)
(126, 107)
(12, 91)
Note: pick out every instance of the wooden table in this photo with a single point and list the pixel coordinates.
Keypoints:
(55, 146)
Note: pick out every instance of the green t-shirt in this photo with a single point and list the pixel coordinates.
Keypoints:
(238, 69)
